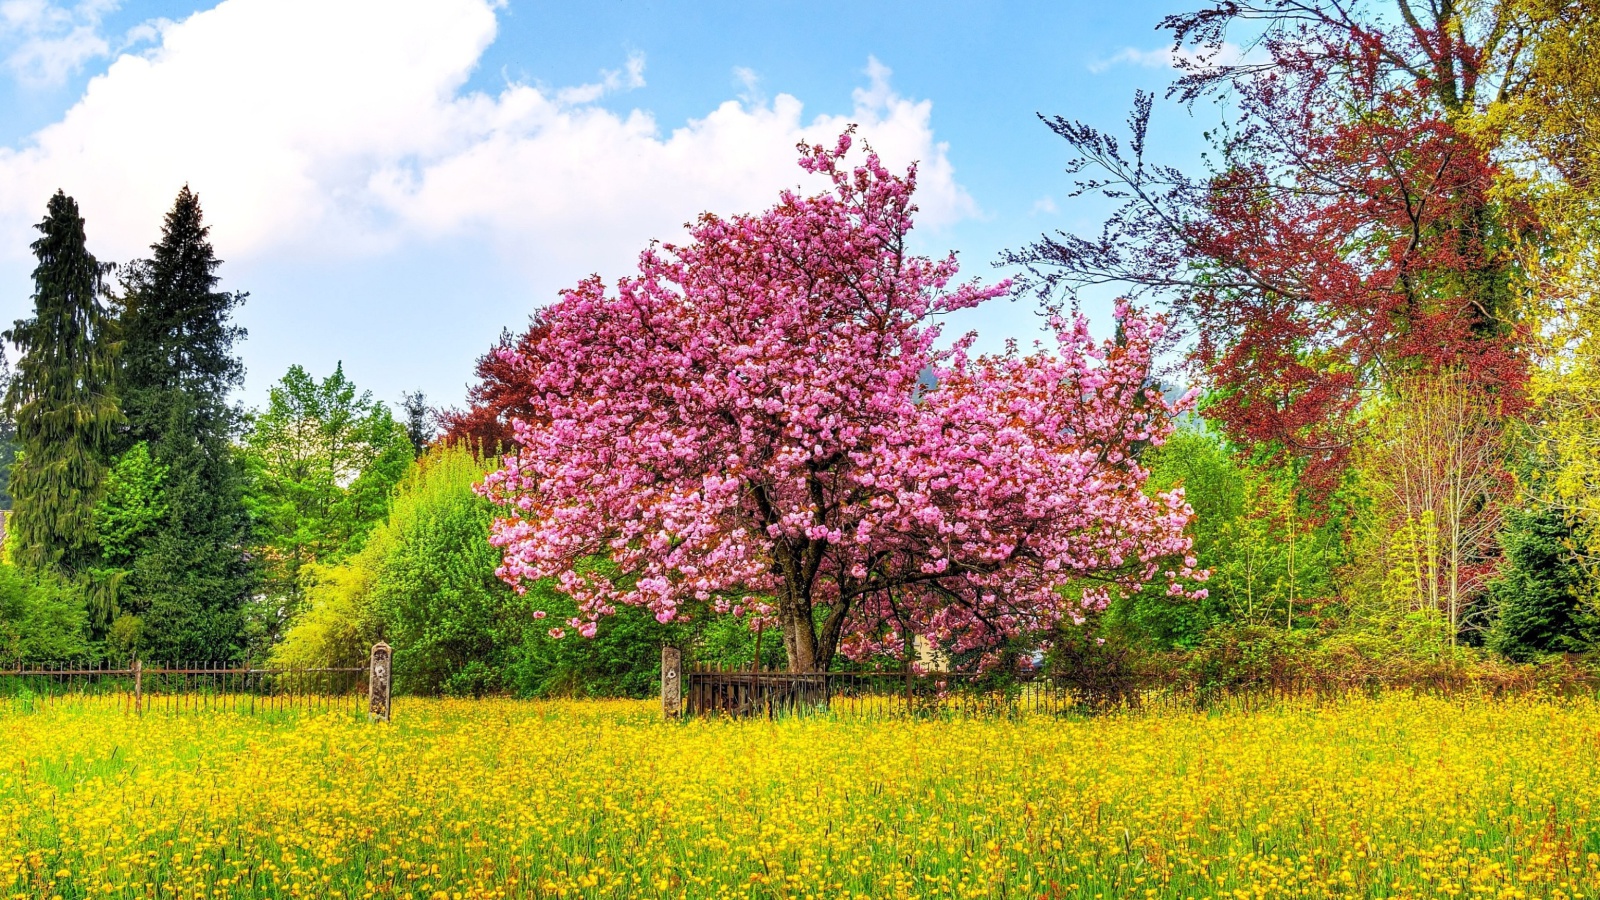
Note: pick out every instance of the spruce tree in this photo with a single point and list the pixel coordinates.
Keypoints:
(8, 436)
(421, 421)
(1539, 590)
(190, 573)
(61, 400)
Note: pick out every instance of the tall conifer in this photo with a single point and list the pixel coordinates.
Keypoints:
(62, 401)
(190, 574)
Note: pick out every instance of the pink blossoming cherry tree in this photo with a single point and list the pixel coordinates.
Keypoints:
(759, 423)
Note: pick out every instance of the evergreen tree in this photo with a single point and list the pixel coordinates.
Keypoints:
(188, 574)
(8, 437)
(421, 421)
(1538, 592)
(61, 400)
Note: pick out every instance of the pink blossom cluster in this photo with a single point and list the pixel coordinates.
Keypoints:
(759, 423)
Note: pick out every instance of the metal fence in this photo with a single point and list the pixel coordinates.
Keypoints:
(196, 686)
(708, 691)
(750, 691)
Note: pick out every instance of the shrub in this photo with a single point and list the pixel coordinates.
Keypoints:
(434, 592)
(425, 582)
(336, 626)
(41, 618)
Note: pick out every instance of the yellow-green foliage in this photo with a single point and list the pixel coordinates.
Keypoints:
(1568, 433)
(336, 624)
(1556, 119)
(424, 581)
(1390, 797)
(335, 627)
(452, 621)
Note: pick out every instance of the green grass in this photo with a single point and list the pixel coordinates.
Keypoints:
(1388, 797)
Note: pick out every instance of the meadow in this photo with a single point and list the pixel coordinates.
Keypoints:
(1395, 796)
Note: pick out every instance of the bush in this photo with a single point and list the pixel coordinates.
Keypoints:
(453, 624)
(336, 626)
(425, 582)
(1101, 666)
(40, 618)
(623, 659)
(1245, 660)
(1249, 657)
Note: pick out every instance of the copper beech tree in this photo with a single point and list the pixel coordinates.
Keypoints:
(1350, 232)
(499, 398)
(759, 422)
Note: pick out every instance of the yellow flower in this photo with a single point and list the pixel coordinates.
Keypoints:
(461, 800)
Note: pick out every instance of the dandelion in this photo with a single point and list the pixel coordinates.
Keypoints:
(491, 799)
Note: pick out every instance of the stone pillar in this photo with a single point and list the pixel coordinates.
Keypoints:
(381, 674)
(671, 682)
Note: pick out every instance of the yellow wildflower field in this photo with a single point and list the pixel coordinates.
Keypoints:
(1389, 797)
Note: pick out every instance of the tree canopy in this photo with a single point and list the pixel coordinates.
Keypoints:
(62, 400)
(322, 459)
(760, 419)
(185, 579)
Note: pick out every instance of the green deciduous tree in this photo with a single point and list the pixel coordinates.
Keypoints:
(1269, 559)
(323, 459)
(188, 573)
(129, 514)
(62, 401)
(132, 506)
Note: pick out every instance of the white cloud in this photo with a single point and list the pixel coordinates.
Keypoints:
(1045, 205)
(630, 77)
(45, 42)
(749, 82)
(337, 127)
(1168, 57)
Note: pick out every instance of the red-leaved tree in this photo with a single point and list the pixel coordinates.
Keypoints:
(499, 398)
(760, 421)
(1349, 236)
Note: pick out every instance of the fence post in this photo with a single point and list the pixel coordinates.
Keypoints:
(671, 682)
(757, 699)
(138, 686)
(378, 683)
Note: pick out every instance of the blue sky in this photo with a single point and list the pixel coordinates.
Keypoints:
(393, 181)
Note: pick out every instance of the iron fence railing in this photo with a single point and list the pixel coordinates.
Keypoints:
(748, 691)
(189, 685)
(758, 692)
